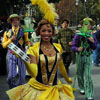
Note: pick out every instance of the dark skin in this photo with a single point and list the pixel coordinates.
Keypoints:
(46, 34)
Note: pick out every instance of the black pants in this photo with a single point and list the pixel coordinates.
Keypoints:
(67, 58)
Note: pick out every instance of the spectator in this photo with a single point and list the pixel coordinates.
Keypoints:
(96, 52)
(65, 36)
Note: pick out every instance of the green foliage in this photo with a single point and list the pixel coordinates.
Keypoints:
(37, 14)
(92, 9)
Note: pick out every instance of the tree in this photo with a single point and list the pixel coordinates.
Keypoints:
(66, 10)
(12, 6)
(92, 9)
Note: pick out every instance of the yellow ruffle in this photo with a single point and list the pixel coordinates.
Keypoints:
(52, 91)
(37, 91)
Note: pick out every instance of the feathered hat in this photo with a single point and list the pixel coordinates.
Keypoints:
(47, 9)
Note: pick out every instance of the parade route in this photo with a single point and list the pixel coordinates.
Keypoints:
(78, 96)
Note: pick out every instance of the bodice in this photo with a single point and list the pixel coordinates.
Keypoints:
(47, 69)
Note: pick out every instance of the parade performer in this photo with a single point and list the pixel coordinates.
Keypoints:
(96, 52)
(19, 38)
(45, 58)
(83, 43)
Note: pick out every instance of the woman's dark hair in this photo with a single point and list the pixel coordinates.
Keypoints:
(44, 22)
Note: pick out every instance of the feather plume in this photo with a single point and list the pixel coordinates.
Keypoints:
(47, 9)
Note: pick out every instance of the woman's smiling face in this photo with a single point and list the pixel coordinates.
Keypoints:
(46, 32)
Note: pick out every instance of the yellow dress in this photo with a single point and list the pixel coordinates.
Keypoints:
(46, 85)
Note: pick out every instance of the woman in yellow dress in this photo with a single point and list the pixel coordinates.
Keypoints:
(45, 59)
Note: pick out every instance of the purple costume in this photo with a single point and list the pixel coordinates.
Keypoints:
(13, 61)
(84, 63)
(76, 43)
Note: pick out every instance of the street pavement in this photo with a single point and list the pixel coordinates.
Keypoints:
(96, 82)
(78, 96)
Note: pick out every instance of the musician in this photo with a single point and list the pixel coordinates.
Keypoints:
(19, 38)
(83, 43)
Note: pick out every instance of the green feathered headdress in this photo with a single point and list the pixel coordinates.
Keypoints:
(87, 21)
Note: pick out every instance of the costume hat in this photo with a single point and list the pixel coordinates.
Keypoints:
(13, 16)
(87, 19)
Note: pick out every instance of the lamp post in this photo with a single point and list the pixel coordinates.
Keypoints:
(85, 8)
(71, 17)
(77, 13)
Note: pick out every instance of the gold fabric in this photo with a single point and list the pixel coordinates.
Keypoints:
(54, 71)
(34, 50)
(32, 69)
(21, 41)
(43, 69)
(51, 61)
(37, 91)
(7, 38)
(34, 90)
(15, 30)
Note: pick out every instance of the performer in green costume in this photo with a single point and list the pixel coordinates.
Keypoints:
(83, 43)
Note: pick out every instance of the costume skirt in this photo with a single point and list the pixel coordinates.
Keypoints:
(34, 90)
